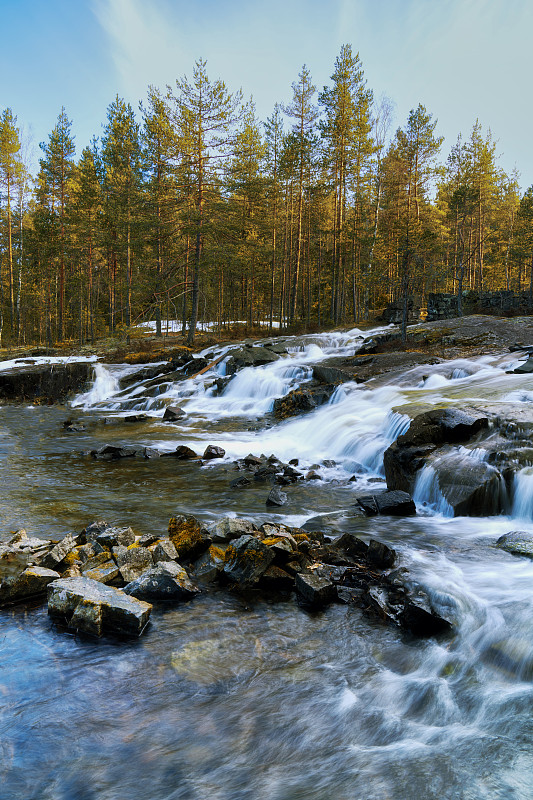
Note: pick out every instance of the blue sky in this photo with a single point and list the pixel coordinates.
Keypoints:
(463, 59)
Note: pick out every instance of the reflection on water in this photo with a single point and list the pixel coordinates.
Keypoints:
(231, 699)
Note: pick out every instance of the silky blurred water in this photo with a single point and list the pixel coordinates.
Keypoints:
(228, 699)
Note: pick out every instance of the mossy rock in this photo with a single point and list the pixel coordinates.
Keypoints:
(187, 537)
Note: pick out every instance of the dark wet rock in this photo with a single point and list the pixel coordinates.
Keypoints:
(427, 432)
(348, 595)
(346, 549)
(472, 488)
(246, 560)
(194, 366)
(313, 475)
(73, 426)
(111, 452)
(240, 483)
(184, 453)
(276, 579)
(292, 474)
(210, 565)
(525, 368)
(314, 591)
(91, 532)
(420, 616)
(90, 607)
(380, 555)
(132, 561)
(301, 400)
(164, 550)
(394, 504)
(266, 472)
(30, 583)
(252, 461)
(519, 543)
(44, 383)
(276, 497)
(249, 357)
(145, 373)
(150, 453)
(227, 528)
(331, 375)
(173, 414)
(294, 462)
(166, 582)
(112, 536)
(187, 536)
(213, 451)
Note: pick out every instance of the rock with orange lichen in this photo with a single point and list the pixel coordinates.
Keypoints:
(187, 536)
(246, 560)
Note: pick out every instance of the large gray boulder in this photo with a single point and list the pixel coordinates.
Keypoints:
(472, 488)
(20, 553)
(44, 383)
(227, 528)
(167, 582)
(428, 432)
(132, 561)
(314, 591)
(88, 606)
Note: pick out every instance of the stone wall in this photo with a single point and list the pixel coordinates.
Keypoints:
(500, 303)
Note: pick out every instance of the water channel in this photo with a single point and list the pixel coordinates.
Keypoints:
(223, 699)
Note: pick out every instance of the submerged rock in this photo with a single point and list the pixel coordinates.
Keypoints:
(88, 606)
(519, 543)
(173, 414)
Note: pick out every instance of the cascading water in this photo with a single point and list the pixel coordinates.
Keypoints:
(272, 702)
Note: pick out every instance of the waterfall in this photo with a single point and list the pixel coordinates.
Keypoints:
(523, 494)
(427, 492)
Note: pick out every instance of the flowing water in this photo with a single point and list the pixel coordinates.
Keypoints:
(222, 700)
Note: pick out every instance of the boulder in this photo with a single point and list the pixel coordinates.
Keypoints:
(188, 537)
(519, 543)
(88, 606)
(184, 453)
(44, 383)
(301, 400)
(276, 497)
(164, 550)
(426, 433)
(472, 488)
(104, 572)
(380, 555)
(210, 565)
(227, 528)
(17, 555)
(58, 553)
(111, 452)
(249, 357)
(173, 414)
(276, 579)
(246, 560)
(212, 451)
(165, 582)
(525, 368)
(331, 375)
(112, 536)
(394, 504)
(30, 583)
(314, 591)
(420, 617)
(132, 561)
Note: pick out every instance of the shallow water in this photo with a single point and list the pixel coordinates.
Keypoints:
(221, 699)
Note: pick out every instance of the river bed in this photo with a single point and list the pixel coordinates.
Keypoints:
(223, 699)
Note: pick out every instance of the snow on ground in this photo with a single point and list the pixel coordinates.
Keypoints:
(176, 325)
(16, 363)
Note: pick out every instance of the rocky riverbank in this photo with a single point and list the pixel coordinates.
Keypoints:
(105, 579)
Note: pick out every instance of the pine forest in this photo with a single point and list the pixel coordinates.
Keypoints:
(190, 208)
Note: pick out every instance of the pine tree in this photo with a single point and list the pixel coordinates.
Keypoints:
(204, 113)
(304, 113)
(121, 157)
(11, 175)
(349, 147)
(55, 177)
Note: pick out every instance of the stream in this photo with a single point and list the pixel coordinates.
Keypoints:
(221, 699)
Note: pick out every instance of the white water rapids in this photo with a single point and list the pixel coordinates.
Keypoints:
(426, 707)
